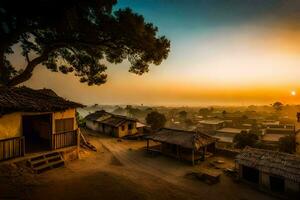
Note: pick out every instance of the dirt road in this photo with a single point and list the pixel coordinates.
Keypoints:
(122, 170)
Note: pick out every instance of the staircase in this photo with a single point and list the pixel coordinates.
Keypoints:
(45, 162)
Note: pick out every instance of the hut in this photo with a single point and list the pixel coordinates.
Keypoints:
(35, 121)
(183, 145)
(270, 170)
(209, 126)
(111, 124)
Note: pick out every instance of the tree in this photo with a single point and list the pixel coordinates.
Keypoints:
(204, 111)
(156, 120)
(277, 106)
(183, 115)
(73, 37)
(287, 144)
(244, 139)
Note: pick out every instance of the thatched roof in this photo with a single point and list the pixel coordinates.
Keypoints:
(187, 139)
(273, 162)
(104, 117)
(24, 99)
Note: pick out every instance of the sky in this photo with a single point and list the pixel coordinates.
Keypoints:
(230, 52)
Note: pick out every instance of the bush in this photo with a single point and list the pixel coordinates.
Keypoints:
(80, 120)
(244, 139)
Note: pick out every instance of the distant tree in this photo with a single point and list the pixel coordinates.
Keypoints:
(224, 113)
(277, 106)
(182, 115)
(156, 120)
(244, 139)
(204, 111)
(287, 144)
(75, 36)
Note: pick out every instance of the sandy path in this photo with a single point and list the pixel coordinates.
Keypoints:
(172, 171)
(117, 173)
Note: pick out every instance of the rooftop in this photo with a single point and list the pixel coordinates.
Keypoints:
(24, 99)
(230, 130)
(211, 121)
(273, 162)
(108, 118)
(187, 139)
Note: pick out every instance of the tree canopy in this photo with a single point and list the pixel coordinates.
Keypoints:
(277, 105)
(244, 139)
(75, 36)
(156, 120)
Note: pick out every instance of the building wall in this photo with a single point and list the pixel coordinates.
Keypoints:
(92, 125)
(70, 113)
(11, 124)
(291, 188)
(125, 131)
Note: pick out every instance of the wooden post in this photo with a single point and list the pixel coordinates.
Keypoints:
(193, 157)
(147, 145)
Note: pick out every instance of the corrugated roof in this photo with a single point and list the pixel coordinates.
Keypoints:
(24, 99)
(273, 162)
(188, 139)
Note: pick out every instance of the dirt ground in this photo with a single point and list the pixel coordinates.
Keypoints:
(122, 170)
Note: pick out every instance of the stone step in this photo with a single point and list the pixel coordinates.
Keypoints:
(50, 165)
(45, 162)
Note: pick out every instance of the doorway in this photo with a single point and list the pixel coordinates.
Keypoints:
(251, 174)
(37, 130)
(276, 184)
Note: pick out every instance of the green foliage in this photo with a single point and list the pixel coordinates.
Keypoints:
(76, 37)
(156, 120)
(287, 144)
(244, 139)
(80, 120)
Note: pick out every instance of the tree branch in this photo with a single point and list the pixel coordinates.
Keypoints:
(27, 73)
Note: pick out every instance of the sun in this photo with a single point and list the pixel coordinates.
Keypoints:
(293, 93)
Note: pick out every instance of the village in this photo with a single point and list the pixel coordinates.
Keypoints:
(41, 142)
(149, 100)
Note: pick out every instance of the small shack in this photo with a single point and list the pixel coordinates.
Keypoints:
(34, 121)
(184, 145)
(270, 170)
(209, 126)
(111, 124)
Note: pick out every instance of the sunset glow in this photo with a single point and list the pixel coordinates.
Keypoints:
(250, 56)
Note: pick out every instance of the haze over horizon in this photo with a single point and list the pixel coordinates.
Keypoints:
(233, 53)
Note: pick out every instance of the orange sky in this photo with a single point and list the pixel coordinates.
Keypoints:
(257, 62)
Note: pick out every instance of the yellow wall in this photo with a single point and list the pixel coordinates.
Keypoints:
(70, 113)
(11, 124)
(126, 131)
